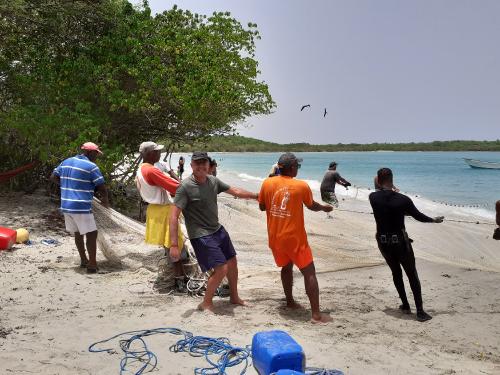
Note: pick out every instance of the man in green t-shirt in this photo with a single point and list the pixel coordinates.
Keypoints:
(196, 198)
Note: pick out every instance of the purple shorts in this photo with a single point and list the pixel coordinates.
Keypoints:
(213, 250)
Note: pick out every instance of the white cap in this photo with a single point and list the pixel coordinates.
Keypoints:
(148, 146)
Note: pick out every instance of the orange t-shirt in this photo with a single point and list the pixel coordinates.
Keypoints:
(284, 198)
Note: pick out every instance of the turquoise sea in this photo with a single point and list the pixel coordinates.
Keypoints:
(436, 176)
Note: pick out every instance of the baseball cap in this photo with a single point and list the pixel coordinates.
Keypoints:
(148, 146)
(200, 155)
(90, 146)
(288, 159)
(332, 164)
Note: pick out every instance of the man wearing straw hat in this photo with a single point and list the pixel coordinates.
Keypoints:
(154, 187)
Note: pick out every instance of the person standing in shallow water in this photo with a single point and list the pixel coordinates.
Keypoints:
(327, 189)
(389, 209)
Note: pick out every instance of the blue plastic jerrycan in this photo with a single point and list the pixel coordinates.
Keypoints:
(276, 350)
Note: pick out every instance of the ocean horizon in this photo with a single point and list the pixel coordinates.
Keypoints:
(437, 177)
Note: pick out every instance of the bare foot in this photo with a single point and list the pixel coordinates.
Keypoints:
(238, 301)
(206, 307)
(294, 305)
(321, 318)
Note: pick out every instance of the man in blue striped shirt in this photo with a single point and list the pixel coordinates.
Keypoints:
(79, 177)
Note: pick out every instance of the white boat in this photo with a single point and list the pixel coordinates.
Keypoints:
(482, 164)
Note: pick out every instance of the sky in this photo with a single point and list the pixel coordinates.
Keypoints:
(385, 70)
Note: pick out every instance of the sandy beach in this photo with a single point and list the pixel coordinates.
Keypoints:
(51, 310)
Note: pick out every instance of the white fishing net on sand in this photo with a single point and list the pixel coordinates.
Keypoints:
(121, 240)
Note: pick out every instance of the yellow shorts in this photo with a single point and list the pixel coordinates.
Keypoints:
(157, 226)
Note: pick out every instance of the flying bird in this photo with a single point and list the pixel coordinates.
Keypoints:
(324, 114)
(305, 106)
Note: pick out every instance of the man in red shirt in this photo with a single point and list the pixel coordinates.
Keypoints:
(155, 187)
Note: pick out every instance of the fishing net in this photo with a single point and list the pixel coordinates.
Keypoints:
(121, 241)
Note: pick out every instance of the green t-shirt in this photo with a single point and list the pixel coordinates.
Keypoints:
(198, 203)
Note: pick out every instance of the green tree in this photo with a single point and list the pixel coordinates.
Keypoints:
(105, 71)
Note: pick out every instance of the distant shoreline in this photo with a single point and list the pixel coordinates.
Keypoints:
(245, 144)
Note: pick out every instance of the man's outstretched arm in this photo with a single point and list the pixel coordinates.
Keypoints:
(315, 206)
(55, 179)
(103, 194)
(417, 215)
(344, 182)
(241, 193)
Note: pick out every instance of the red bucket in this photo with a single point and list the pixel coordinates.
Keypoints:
(7, 238)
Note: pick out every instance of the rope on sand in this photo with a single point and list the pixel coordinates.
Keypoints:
(322, 371)
(136, 350)
(218, 352)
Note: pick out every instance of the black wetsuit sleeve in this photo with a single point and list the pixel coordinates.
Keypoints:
(411, 210)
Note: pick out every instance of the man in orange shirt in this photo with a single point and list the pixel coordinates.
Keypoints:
(282, 197)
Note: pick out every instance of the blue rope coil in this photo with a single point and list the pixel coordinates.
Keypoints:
(218, 352)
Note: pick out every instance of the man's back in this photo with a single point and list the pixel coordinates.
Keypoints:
(79, 177)
(284, 198)
(390, 208)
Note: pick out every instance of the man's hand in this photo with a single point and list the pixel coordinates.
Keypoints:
(438, 219)
(55, 179)
(242, 193)
(103, 194)
(327, 208)
(175, 254)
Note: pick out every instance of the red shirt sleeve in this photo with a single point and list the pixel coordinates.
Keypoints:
(155, 177)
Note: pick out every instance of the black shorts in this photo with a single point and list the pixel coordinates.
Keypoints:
(213, 250)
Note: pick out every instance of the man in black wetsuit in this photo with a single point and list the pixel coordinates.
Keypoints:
(389, 209)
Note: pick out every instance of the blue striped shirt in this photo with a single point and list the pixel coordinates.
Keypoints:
(79, 178)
